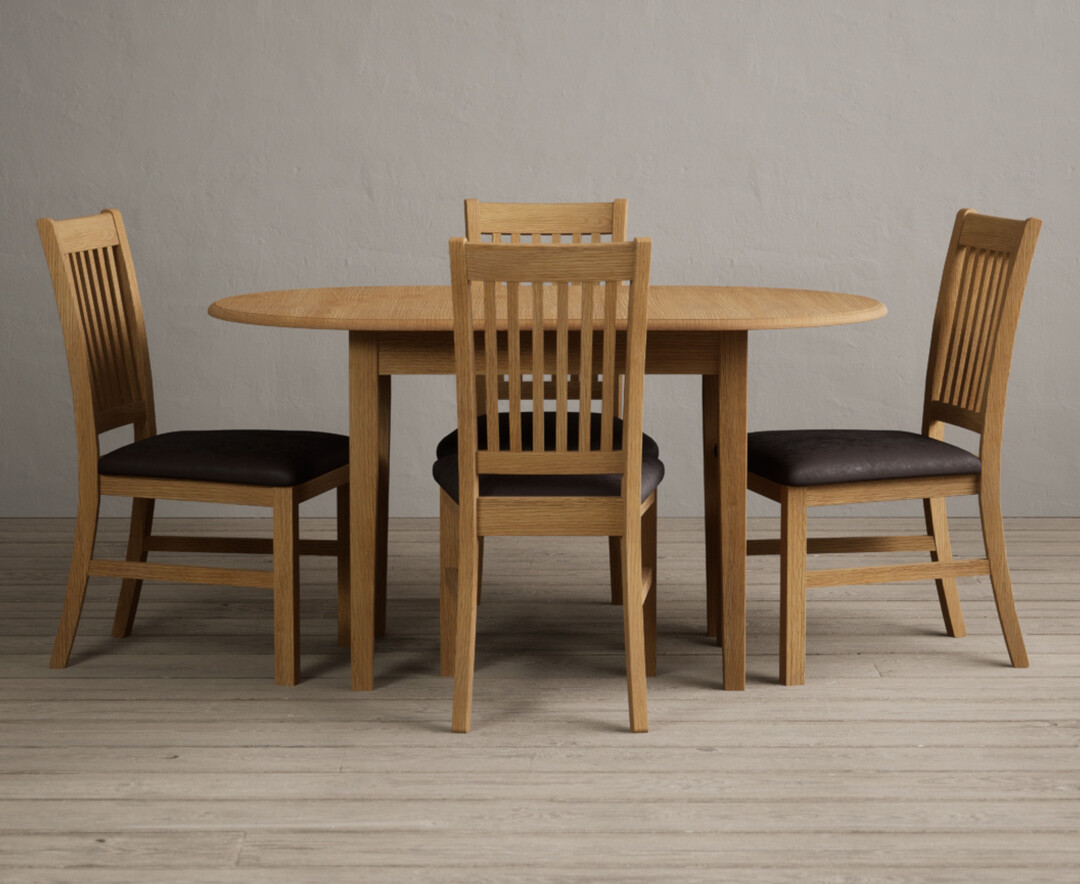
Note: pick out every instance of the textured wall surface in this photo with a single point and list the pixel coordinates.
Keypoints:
(259, 145)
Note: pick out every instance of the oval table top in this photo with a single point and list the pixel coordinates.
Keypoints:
(427, 308)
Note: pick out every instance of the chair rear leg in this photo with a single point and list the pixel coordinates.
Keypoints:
(994, 538)
(937, 525)
(634, 626)
(479, 570)
(82, 551)
(465, 628)
(615, 561)
(648, 560)
(448, 580)
(286, 588)
(142, 520)
(793, 586)
(344, 572)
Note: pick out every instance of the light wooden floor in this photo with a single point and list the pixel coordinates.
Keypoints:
(908, 756)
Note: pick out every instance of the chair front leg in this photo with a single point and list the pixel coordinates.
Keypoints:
(937, 525)
(448, 580)
(633, 624)
(286, 587)
(142, 520)
(994, 538)
(793, 586)
(648, 560)
(465, 626)
(343, 567)
(81, 553)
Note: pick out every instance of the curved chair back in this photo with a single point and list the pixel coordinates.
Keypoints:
(526, 300)
(537, 223)
(104, 332)
(982, 287)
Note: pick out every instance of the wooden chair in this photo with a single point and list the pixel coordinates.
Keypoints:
(568, 481)
(109, 362)
(981, 289)
(537, 223)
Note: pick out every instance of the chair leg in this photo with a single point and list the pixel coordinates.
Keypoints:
(793, 586)
(344, 572)
(465, 627)
(648, 560)
(286, 588)
(633, 625)
(82, 552)
(448, 580)
(615, 560)
(994, 538)
(937, 524)
(479, 570)
(142, 518)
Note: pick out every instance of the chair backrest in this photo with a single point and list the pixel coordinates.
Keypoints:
(104, 333)
(524, 302)
(982, 287)
(537, 223)
(545, 222)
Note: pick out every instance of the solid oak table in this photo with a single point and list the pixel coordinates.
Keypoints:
(698, 330)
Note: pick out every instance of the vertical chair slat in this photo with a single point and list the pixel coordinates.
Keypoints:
(491, 367)
(979, 316)
(611, 380)
(113, 341)
(104, 397)
(950, 330)
(585, 367)
(82, 307)
(538, 365)
(513, 338)
(970, 323)
(960, 327)
(988, 331)
(126, 332)
(561, 364)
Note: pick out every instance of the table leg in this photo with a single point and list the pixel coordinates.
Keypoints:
(363, 502)
(732, 465)
(710, 439)
(382, 512)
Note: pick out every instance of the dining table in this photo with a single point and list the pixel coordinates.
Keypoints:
(700, 330)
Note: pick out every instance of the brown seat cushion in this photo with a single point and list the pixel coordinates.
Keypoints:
(827, 457)
(278, 458)
(448, 444)
(445, 472)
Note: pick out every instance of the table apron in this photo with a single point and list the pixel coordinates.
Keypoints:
(666, 352)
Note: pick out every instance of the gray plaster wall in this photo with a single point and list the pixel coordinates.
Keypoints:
(261, 145)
